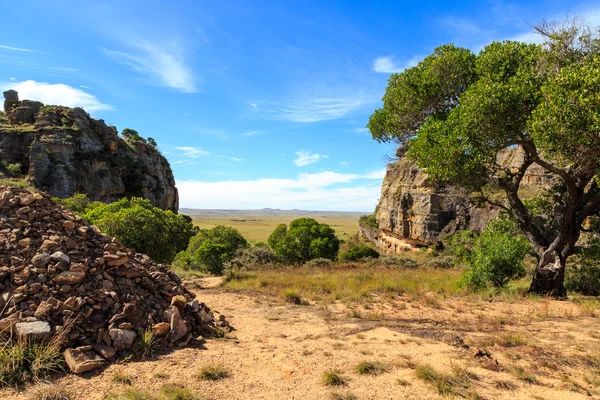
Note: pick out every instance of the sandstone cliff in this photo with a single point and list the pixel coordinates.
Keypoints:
(415, 211)
(64, 151)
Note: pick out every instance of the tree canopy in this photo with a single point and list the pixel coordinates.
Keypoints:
(458, 112)
(305, 240)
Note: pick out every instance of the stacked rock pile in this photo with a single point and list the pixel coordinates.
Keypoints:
(57, 271)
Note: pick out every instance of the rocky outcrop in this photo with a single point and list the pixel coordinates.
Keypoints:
(61, 278)
(64, 151)
(414, 210)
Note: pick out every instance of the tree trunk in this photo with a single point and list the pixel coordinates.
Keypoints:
(549, 276)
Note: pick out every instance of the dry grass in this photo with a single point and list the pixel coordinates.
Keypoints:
(120, 377)
(50, 391)
(456, 384)
(371, 368)
(213, 372)
(332, 378)
(167, 392)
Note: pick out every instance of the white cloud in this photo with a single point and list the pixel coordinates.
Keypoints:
(389, 64)
(306, 157)
(164, 64)
(251, 133)
(321, 108)
(20, 49)
(236, 159)
(56, 94)
(344, 164)
(308, 192)
(12, 78)
(192, 152)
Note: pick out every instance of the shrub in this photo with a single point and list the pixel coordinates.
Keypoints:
(369, 220)
(79, 203)
(440, 262)
(132, 135)
(161, 234)
(358, 253)
(319, 262)
(583, 274)
(305, 240)
(332, 378)
(250, 257)
(213, 372)
(496, 257)
(211, 249)
(398, 261)
(371, 368)
(14, 170)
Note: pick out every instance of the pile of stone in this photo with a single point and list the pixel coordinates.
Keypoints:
(59, 274)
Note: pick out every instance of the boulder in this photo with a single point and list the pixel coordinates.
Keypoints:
(35, 330)
(122, 339)
(70, 277)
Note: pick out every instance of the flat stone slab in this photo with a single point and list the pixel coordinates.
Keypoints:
(36, 330)
(80, 361)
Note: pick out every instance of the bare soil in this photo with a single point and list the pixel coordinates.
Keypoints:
(280, 351)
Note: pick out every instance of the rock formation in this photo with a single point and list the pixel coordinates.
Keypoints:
(64, 151)
(415, 211)
(58, 274)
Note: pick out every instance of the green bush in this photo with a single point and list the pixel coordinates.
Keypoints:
(583, 272)
(251, 257)
(358, 253)
(319, 262)
(160, 234)
(440, 262)
(496, 256)
(304, 240)
(211, 249)
(369, 220)
(79, 203)
(397, 261)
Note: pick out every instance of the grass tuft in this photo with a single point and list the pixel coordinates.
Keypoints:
(119, 377)
(176, 392)
(343, 396)
(332, 378)
(50, 391)
(213, 372)
(455, 384)
(293, 297)
(371, 368)
(131, 394)
(523, 375)
(146, 342)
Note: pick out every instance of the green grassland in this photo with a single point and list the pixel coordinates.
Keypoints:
(257, 225)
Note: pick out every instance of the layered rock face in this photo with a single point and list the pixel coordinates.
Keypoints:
(64, 151)
(414, 211)
(60, 276)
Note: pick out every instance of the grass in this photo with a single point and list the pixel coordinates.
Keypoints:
(351, 283)
(16, 182)
(146, 342)
(523, 374)
(119, 377)
(50, 391)
(213, 372)
(455, 384)
(293, 297)
(24, 361)
(402, 382)
(332, 378)
(371, 368)
(343, 396)
(167, 392)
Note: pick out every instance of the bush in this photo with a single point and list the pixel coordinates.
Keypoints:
(211, 249)
(496, 257)
(79, 203)
(440, 262)
(369, 220)
(397, 261)
(251, 257)
(583, 274)
(161, 234)
(319, 262)
(358, 253)
(305, 240)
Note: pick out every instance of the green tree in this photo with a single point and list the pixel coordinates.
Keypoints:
(152, 142)
(304, 240)
(161, 234)
(132, 135)
(459, 112)
(357, 253)
(210, 249)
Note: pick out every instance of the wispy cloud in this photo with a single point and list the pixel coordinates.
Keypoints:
(251, 133)
(306, 158)
(20, 49)
(163, 64)
(389, 64)
(193, 152)
(321, 108)
(58, 93)
(320, 191)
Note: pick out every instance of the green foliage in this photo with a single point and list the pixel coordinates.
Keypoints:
(161, 234)
(252, 257)
(319, 262)
(152, 142)
(496, 256)
(358, 252)
(210, 249)
(132, 135)
(304, 240)
(79, 203)
(12, 170)
(369, 220)
(583, 276)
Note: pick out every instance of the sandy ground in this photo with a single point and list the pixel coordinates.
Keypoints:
(279, 351)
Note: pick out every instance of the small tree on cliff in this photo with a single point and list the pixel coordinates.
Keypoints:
(459, 111)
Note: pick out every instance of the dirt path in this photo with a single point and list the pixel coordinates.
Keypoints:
(280, 351)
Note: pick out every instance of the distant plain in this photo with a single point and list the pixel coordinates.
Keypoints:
(257, 225)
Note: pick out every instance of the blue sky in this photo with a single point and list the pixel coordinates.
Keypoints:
(255, 104)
